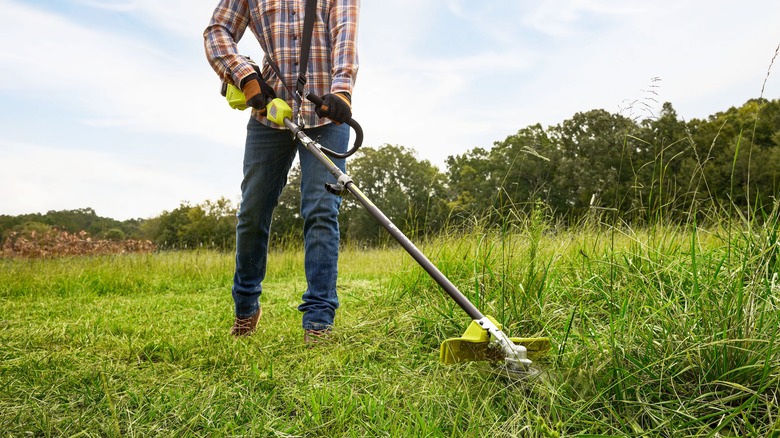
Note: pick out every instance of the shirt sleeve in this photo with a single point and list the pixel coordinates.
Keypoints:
(227, 26)
(344, 57)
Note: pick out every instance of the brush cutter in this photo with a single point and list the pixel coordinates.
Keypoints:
(484, 339)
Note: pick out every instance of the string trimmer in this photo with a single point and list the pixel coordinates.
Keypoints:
(484, 338)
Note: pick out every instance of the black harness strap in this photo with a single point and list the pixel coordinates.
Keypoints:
(303, 62)
(308, 29)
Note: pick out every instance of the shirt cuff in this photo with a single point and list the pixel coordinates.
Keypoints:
(341, 85)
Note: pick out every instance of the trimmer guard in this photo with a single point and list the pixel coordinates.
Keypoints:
(475, 345)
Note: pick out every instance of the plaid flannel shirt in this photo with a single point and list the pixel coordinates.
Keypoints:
(278, 25)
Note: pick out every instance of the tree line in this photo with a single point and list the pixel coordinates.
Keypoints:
(71, 221)
(660, 168)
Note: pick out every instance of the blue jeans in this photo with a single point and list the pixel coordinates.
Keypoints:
(268, 156)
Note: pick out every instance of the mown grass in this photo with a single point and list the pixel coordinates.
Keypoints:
(666, 331)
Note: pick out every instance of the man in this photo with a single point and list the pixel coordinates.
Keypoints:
(270, 149)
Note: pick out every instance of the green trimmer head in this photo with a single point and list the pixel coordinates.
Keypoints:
(476, 345)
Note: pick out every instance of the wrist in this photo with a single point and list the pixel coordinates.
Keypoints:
(343, 95)
(247, 79)
(251, 88)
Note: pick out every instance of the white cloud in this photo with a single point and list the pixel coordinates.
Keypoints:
(565, 18)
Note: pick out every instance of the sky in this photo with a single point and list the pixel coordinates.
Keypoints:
(111, 104)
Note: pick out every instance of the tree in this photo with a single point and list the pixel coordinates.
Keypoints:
(662, 184)
(208, 225)
(515, 172)
(739, 168)
(471, 182)
(524, 165)
(598, 154)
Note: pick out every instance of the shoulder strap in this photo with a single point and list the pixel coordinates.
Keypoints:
(308, 29)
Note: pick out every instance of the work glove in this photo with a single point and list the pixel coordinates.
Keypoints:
(336, 106)
(257, 92)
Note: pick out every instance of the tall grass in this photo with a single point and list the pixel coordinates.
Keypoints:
(671, 330)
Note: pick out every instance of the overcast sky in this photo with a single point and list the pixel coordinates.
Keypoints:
(110, 104)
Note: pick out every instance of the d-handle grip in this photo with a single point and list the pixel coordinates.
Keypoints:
(317, 100)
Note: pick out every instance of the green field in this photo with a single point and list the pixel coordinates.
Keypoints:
(664, 331)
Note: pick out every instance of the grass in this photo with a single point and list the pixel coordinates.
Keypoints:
(666, 331)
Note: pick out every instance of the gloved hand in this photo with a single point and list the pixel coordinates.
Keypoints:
(336, 106)
(257, 92)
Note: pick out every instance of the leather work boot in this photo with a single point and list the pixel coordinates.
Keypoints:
(313, 337)
(246, 326)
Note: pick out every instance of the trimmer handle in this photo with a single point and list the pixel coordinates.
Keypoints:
(317, 100)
